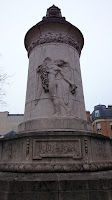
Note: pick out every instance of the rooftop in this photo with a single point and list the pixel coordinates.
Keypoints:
(101, 111)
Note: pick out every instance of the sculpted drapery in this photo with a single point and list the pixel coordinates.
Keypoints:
(57, 79)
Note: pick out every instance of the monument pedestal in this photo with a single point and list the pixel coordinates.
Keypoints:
(55, 124)
(56, 165)
(55, 151)
(56, 186)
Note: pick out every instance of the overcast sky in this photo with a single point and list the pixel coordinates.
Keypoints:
(93, 18)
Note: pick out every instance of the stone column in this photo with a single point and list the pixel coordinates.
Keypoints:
(55, 156)
(54, 97)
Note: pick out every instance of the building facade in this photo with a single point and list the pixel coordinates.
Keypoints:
(9, 122)
(101, 119)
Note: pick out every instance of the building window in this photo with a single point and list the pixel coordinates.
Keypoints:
(98, 127)
(97, 114)
(111, 126)
(91, 118)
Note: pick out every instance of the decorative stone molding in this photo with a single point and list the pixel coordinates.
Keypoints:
(54, 38)
(27, 146)
(86, 145)
(77, 167)
(35, 151)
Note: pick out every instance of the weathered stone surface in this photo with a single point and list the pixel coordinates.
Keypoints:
(54, 88)
(55, 151)
(37, 98)
(54, 124)
(56, 186)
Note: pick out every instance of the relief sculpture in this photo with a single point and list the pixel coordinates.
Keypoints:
(55, 78)
(57, 38)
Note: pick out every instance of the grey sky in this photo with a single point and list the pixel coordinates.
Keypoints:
(93, 18)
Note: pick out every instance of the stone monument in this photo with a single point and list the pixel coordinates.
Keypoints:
(54, 97)
(55, 155)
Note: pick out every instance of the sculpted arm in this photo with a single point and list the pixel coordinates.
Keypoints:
(73, 86)
(66, 79)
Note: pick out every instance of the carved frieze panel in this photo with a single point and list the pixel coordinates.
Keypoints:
(56, 77)
(55, 38)
(56, 149)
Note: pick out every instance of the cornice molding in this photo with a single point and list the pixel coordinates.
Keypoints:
(54, 38)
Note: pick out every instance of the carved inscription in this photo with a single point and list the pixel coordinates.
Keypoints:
(56, 149)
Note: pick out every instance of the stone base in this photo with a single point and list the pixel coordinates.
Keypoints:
(27, 160)
(56, 186)
(55, 124)
(54, 151)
